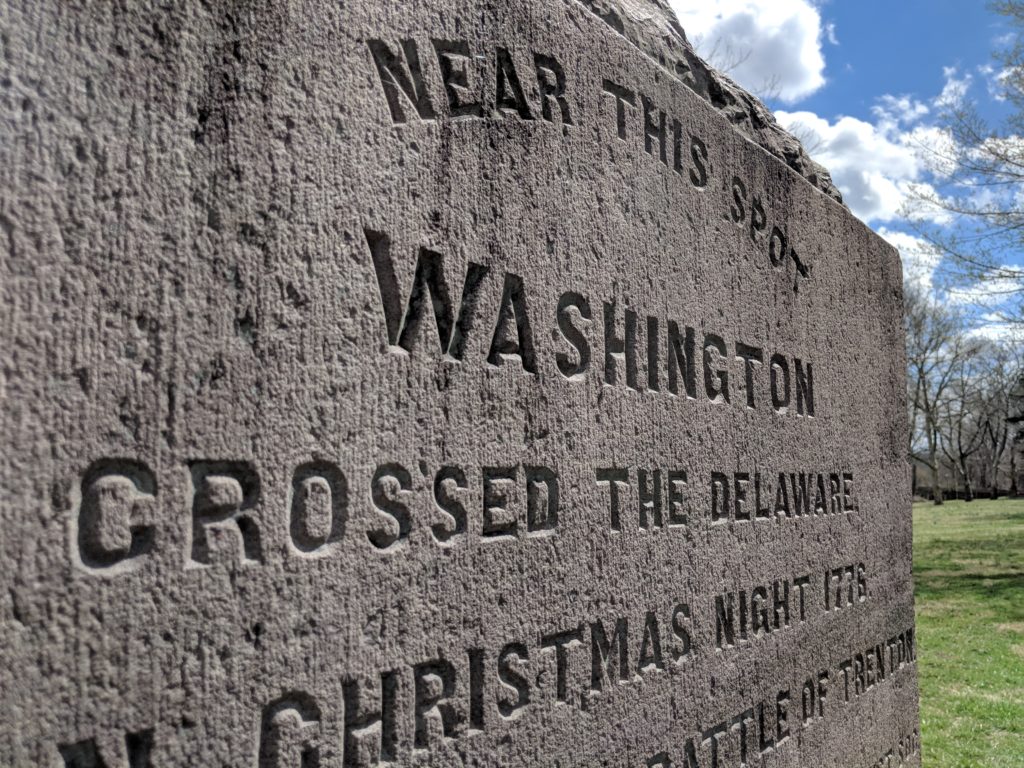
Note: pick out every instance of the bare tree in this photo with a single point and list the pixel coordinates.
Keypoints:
(977, 414)
(962, 432)
(996, 387)
(936, 348)
(980, 172)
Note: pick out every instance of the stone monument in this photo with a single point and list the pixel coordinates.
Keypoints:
(448, 383)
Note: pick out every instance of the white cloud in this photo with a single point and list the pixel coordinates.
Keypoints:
(830, 33)
(920, 258)
(955, 89)
(885, 167)
(875, 166)
(994, 81)
(765, 45)
(990, 303)
(991, 292)
(935, 147)
(894, 111)
(1001, 81)
(996, 327)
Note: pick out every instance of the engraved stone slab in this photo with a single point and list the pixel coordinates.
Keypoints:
(433, 384)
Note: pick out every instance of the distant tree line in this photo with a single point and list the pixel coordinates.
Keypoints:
(966, 392)
(966, 404)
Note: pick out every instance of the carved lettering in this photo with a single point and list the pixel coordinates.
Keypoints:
(289, 733)
(224, 498)
(319, 508)
(114, 529)
(87, 754)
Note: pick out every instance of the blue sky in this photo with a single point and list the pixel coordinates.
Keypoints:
(875, 55)
(864, 84)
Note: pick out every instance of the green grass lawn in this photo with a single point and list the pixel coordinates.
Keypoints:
(969, 583)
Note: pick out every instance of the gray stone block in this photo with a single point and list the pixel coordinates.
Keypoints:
(434, 384)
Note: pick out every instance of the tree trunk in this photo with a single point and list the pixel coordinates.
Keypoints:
(936, 489)
(968, 488)
(1013, 470)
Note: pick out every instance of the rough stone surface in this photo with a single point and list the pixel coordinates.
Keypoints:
(652, 27)
(413, 384)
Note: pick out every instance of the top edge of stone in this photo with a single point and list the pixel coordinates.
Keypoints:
(652, 26)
